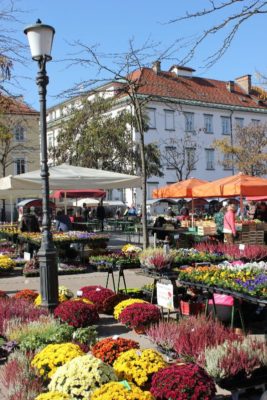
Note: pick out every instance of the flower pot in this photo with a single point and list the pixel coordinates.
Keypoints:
(190, 308)
(140, 330)
(258, 377)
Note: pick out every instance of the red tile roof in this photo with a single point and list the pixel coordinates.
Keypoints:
(168, 84)
(13, 105)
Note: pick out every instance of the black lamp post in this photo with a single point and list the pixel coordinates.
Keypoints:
(40, 38)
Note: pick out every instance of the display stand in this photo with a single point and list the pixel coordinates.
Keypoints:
(110, 274)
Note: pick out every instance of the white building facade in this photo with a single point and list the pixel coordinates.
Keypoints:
(181, 105)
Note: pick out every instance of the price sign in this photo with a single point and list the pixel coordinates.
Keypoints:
(165, 295)
(241, 246)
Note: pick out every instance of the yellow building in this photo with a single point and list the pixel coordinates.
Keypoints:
(19, 138)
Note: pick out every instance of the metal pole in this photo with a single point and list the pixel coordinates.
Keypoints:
(47, 253)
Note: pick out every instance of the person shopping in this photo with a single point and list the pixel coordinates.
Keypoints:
(229, 228)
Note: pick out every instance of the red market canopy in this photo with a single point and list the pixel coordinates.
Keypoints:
(180, 189)
(79, 194)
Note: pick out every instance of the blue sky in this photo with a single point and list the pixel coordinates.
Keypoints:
(112, 23)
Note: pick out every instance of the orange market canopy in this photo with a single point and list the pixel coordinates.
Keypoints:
(179, 189)
(235, 185)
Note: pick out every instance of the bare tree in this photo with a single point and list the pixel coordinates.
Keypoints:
(181, 155)
(126, 85)
(232, 15)
(248, 152)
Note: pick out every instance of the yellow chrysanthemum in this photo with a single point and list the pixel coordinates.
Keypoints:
(120, 391)
(123, 304)
(53, 356)
(53, 396)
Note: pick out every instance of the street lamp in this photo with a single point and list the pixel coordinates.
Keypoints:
(40, 38)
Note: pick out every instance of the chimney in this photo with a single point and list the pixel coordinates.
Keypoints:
(156, 66)
(230, 85)
(244, 82)
(180, 70)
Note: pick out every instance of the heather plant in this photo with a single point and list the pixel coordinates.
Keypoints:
(18, 308)
(182, 382)
(230, 358)
(163, 334)
(194, 334)
(156, 258)
(18, 379)
(251, 252)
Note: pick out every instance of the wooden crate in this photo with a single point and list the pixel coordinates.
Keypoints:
(206, 230)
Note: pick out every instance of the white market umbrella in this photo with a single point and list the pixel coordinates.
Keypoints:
(12, 187)
(71, 177)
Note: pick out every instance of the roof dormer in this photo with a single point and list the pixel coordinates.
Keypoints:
(180, 70)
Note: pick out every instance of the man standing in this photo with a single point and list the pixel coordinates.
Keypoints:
(101, 214)
(85, 212)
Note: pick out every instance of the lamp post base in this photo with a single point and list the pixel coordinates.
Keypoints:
(48, 278)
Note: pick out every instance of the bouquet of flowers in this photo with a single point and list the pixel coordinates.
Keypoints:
(130, 248)
(26, 294)
(182, 382)
(156, 259)
(53, 356)
(81, 376)
(121, 306)
(77, 313)
(109, 349)
(120, 391)
(6, 263)
(140, 315)
(138, 366)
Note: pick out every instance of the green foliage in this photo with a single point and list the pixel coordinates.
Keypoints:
(95, 137)
(37, 334)
(86, 335)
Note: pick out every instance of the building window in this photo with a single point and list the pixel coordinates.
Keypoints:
(210, 158)
(150, 187)
(169, 120)
(190, 158)
(226, 125)
(255, 122)
(239, 122)
(151, 118)
(49, 141)
(20, 166)
(227, 162)
(208, 123)
(19, 133)
(189, 121)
